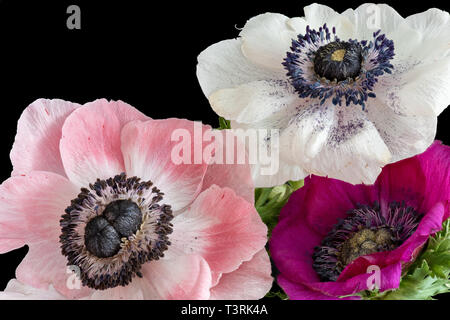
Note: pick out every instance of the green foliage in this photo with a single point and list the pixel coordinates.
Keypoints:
(269, 201)
(419, 284)
(224, 124)
(277, 294)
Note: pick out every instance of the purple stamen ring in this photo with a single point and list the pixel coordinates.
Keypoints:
(322, 66)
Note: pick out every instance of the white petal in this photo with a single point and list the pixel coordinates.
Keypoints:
(223, 65)
(421, 78)
(433, 26)
(269, 169)
(255, 101)
(307, 133)
(421, 39)
(298, 24)
(316, 15)
(417, 89)
(405, 135)
(284, 173)
(266, 39)
(354, 153)
(424, 36)
(369, 18)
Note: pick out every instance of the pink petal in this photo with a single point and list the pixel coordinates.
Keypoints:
(221, 227)
(435, 163)
(44, 265)
(7, 245)
(420, 181)
(292, 246)
(90, 144)
(36, 146)
(19, 291)
(389, 279)
(327, 200)
(251, 281)
(132, 291)
(297, 291)
(185, 277)
(236, 176)
(147, 149)
(31, 207)
(429, 225)
(401, 181)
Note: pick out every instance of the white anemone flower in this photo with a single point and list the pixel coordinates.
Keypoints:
(349, 93)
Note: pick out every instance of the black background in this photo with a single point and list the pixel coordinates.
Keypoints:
(143, 55)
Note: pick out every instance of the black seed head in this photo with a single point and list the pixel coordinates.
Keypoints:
(106, 221)
(338, 60)
(124, 215)
(101, 239)
(121, 218)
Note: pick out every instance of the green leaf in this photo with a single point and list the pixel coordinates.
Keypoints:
(419, 284)
(277, 294)
(437, 253)
(269, 201)
(224, 124)
(296, 184)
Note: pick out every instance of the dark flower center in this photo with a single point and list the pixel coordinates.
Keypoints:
(365, 242)
(103, 234)
(111, 229)
(338, 60)
(321, 66)
(366, 230)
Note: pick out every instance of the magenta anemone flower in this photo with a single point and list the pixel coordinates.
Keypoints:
(332, 236)
(94, 190)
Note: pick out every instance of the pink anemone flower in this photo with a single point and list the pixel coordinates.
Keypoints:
(107, 214)
(333, 236)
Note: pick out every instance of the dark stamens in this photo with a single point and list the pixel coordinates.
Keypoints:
(363, 232)
(111, 229)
